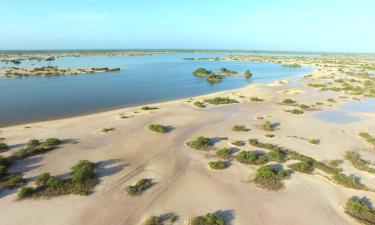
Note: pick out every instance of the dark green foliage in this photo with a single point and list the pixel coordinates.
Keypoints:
(269, 135)
(256, 99)
(214, 78)
(268, 126)
(221, 100)
(367, 137)
(158, 128)
(239, 128)
(14, 180)
(202, 72)
(3, 147)
(303, 106)
(247, 74)
(252, 157)
(109, 129)
(149, 108)
(277, 156)
(288, 101)
(199, 104)
(314, 141)
(200, 143)
(349, 181)
(208, 219)
(52, 142)
(43, 179)
(35, 147)
(270, 178)
(153, 220)
(355, 159)
(33, 143)
(238, 143)
(306, 166)
(25, 192)
(139, 187)
(83, 171)
(217, 165)
(294, 111)
(4, 164)
(224, 153)
(360, 211)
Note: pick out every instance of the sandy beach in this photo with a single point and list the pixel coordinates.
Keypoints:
(183, 182)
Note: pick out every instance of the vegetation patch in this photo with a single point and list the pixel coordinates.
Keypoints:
(109, 129)
(349, 181)
(270, 178)
(288, 101)
(35, 147)
(3, 147)
(82, 180)
(306, 166)
(314, 141)
(269, 135)
(200, 143)
(208, 219)
(238, 143)
(199, 104)
(158, 128)
(14, 180)
(221, 101)
(224, 153)
(139, 187)
(367, 137)
(358, 162)
(360, 210)
(256, 99)
(240, 128)
(252, 158)
(218, 165)
(268, 126)
(147, 108)
(248, 74)
(294, 111)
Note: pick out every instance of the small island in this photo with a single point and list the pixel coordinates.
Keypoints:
(217, 77)
(49, 71)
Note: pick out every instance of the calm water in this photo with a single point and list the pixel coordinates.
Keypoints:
(142, 80)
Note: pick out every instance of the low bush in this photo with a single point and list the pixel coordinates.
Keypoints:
(270, 178)
(208, 219)
(199, 104)
(14, 180)
(217, 165)
(158, 128)
(314, 141)
(367, 137)
(306, 166)
(35, 147)
(360, 210)
(240, 128)
(269, 135)
(224, 153)
(33, 143)
(294, 111)
(52, 142)
(349, 181)
(153, 220)
(3, 147)
(288, 101)
(238, 143)
(357, 162)
(109, 129)
(247, 74)
(202, 72)
(146, 108)
(221, 100)
(25, 192)
(252, 158)
(200, 143)
(268, 126)
(139, 187)
(256, 99)
(303, 106)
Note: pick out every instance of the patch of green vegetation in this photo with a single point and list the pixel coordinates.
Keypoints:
(199, 104)
(33, 143)
(202, 72)
(294, 111)
(360, 210)
(201, 143)
(288, 101)
(217, 165)
(240, 128)
(314, 141)
(357, 162)
(4, 165)
(208, 219)
(109, 129)
(147, 108)
(224, 153)
(268, 126)
(292, 66)
(303, 106)
(221, 101)
(153, 220)
(14, 180)
(269, 135)
(349, 181)
(306, 166)
(331, 100)
(256, 99)
(50, 142)
(367, 137)
(252, 158)
(214, 78)
(82, 180)
(247, 74)
(238, 143)
(35, 147)
(3, 147)
(158, 128)
(139, 187)
(270, 178)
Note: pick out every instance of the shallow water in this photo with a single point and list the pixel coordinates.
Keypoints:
(142, 80)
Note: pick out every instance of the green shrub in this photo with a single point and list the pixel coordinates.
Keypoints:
(217, 165)
(331, 100)
(214, 78)
(277, 156)
(202, 72)
(15, 180)
(240, 128)
(200, 143)
(208, 219)
(288, 101)
(270, 178)
(52, 142)
(42, 179)
(357, 162)
(294, 111)
(238, 143)
(224, 153)
(158, 128)
(139, 187)
(3, 147)
(268, 126)
(33, 143)
(252, 158)
(349, 181)
(83, 171)
(25, 192)
(360, 211)
(367, 137)
(105, 130)
(247, 74)
(306, 166)
(220, 100)
(256, 99)
(303, 106)
(153, 220)
(314, 141)
(199, 104)
(146, 108)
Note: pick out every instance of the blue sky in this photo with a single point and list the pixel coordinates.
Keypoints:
(301, 25)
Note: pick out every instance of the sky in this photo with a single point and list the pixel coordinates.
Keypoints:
(281, 25)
